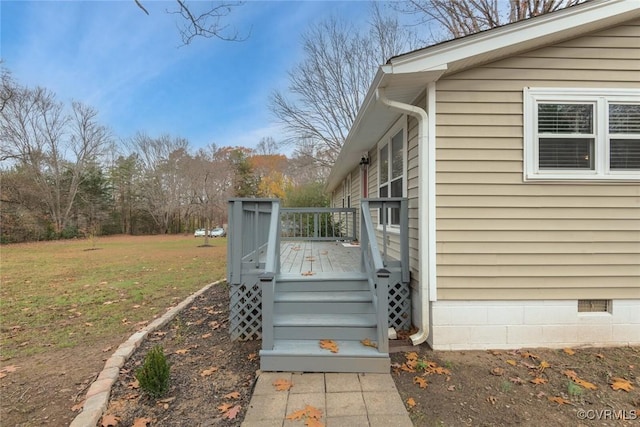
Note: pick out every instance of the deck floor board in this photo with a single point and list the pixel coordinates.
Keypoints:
(318, 257)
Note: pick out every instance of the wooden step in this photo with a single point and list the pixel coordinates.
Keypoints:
(311, 320)
(319, 302)
(307, 356)
(330, 282)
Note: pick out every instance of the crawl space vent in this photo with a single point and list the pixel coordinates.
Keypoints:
(594, 305)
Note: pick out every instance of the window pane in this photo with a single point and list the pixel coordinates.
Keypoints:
(384, 192)
(624, 118)
(565, 118)
(624, 154)
(396, 156)
(565, 153)
(396, 188)
(384, 164)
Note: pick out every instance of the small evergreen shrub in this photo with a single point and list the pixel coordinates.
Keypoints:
(153, 375)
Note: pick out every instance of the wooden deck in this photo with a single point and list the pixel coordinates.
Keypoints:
(304, 257)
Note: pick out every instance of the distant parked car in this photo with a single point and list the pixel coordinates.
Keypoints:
(200, 232)
(217, 232)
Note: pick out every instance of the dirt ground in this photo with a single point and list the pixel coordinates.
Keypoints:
(212, 379)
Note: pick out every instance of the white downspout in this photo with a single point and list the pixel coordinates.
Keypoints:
(426, 204)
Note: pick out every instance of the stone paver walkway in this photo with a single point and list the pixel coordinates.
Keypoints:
(349, 400)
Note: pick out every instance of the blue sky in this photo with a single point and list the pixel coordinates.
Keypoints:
(132, 69)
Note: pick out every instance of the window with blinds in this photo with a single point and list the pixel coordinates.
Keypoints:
(566, 136)
(582, 133)
(624, 136)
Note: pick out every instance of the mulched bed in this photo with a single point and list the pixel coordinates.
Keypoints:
(210, 375)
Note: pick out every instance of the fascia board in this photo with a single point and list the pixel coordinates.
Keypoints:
(528, 33)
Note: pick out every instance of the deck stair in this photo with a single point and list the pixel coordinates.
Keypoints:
(307, 309)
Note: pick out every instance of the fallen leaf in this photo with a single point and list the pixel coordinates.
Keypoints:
(141, 422)
(543, 365)
(411, 402)
(182, 351)
(329, 345)
(569, 351)
(308, 273)
(516, 380)
(512, 362)
(312, 422)
(225, 407)
(251, 357)
(104, 350)
(9, 369)
(313, 412)
(282, 385)
(600, 355)
(232, 413)
(585, 384)
(109, 421)
(411, 356)
(134, 384)
(574, 377)
(451, 388)
(559, 400)
(621, 384)
(492, 399)
(310, 258)
(208, 372)
(497, 372)
(527, 355)
(232, 395)
(368, 343)
(422, 383)
(167, 400)
(541, 394)
(297, 415)
(539, 380)
(205, 336)
(495, 352)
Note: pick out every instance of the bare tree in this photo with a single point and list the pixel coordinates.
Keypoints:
(53, 148)
(459, 18)
(163, 191)
(327, 88)
(208, 22)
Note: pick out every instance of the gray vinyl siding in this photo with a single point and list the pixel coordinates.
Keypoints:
(499, 237)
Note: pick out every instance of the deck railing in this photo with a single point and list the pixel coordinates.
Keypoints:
(249, 227)
(329, 224)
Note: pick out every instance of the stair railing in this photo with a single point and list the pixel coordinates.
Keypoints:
(268, 277)
(377, 274)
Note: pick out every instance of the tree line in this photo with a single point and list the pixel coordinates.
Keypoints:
(65, 175)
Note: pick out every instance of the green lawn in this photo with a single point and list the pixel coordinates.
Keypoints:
(78, 292)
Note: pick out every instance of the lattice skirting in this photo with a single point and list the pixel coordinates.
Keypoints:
(245, 312)
(399, 305)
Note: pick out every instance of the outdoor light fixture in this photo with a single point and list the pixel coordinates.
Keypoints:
(364, 161)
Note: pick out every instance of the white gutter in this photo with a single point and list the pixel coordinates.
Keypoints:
(426, 203)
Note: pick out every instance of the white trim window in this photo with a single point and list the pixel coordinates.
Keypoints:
(582, 134)
(392, 170)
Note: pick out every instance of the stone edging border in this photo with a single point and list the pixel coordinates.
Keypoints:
(97, 398)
